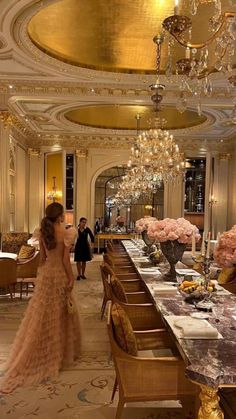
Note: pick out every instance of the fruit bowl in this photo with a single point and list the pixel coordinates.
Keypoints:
(195, 290)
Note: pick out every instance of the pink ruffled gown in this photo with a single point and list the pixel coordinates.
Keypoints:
(48, 337)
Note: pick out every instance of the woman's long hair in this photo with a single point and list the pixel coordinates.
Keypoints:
(53, 211)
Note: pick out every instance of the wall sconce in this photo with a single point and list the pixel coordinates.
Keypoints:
(54, 194)
(212, 200)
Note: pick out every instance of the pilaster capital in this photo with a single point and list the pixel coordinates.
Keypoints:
(81, 152)
(224, 156)
(34, 152)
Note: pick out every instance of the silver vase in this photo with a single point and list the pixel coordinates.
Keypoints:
(173, 252)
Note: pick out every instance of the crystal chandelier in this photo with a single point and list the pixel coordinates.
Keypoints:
(195, 67)
(54, 194)
(155, 158)
(156, 155)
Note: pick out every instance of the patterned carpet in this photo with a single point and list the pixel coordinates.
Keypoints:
(84, 391)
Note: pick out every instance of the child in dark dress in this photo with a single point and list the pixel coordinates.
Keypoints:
(83, 252)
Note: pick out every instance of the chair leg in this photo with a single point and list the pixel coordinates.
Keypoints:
(103, 307)
(21, 289)
(119, 408)
(10, 291)
(114, 390)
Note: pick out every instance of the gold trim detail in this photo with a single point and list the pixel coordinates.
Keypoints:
(210, 408)
(81, 153)
(225, 156)
(7, 119)
(33, 152)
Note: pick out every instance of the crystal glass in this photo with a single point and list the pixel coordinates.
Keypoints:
(218, 311)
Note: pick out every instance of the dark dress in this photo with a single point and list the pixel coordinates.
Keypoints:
(82, 247)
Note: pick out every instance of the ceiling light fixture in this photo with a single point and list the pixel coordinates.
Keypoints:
(195, 67)
(54, 194)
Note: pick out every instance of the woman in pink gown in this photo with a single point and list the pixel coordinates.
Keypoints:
(49, 335)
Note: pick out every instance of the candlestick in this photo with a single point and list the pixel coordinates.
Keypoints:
(176, 8)
(203, 244)
(208, 245)
(193, 245)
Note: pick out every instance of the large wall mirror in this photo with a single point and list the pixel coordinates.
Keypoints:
(106, 212)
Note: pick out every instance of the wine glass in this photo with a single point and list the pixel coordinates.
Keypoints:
(218, 311)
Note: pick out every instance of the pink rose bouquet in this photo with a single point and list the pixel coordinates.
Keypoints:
(225, 251)
(171, 229)
(143, 223)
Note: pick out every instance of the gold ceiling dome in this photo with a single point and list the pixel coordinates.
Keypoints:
(112, 35)
(122, 117)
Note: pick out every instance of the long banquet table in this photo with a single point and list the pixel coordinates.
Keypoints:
(210, 363)
(112, 236)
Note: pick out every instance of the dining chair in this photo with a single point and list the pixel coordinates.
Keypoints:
(27, 272)
(141, 378)
(8, 275)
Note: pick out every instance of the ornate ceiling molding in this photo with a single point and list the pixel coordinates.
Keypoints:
(122, 142)
(77, 89)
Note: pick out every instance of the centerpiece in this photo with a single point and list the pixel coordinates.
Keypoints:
(225, 251)
(141, 226)
(173, 235)
(152, 249)
(120, 220)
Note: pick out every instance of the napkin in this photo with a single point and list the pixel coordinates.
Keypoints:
(206, 332)
(196, 329)
(163, 288)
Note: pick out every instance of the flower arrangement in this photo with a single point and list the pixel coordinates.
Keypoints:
(143, 223)
(171, 229)
(225, 251)
(120, 219)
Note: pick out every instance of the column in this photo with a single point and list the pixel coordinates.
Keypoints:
(82, 188)
(4, 179)
(232, 189)
(220, 196)
(173, 199)
(208, 192)
(36, 188)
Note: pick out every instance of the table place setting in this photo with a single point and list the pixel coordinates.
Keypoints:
(140, 259)
(187, 327)
(162, 288)
(147, 272)
(190, 272)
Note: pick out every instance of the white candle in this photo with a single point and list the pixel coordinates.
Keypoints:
(187, 53)
(218, 236)
(193, 245)
(203, 244)
(208, 245)
(176, 8)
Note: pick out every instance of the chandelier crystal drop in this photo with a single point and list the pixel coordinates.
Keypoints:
(195, 67)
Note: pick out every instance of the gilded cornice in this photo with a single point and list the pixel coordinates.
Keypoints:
(120, 142)
(67, 88)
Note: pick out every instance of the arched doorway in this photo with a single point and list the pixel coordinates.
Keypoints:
(106, 211)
